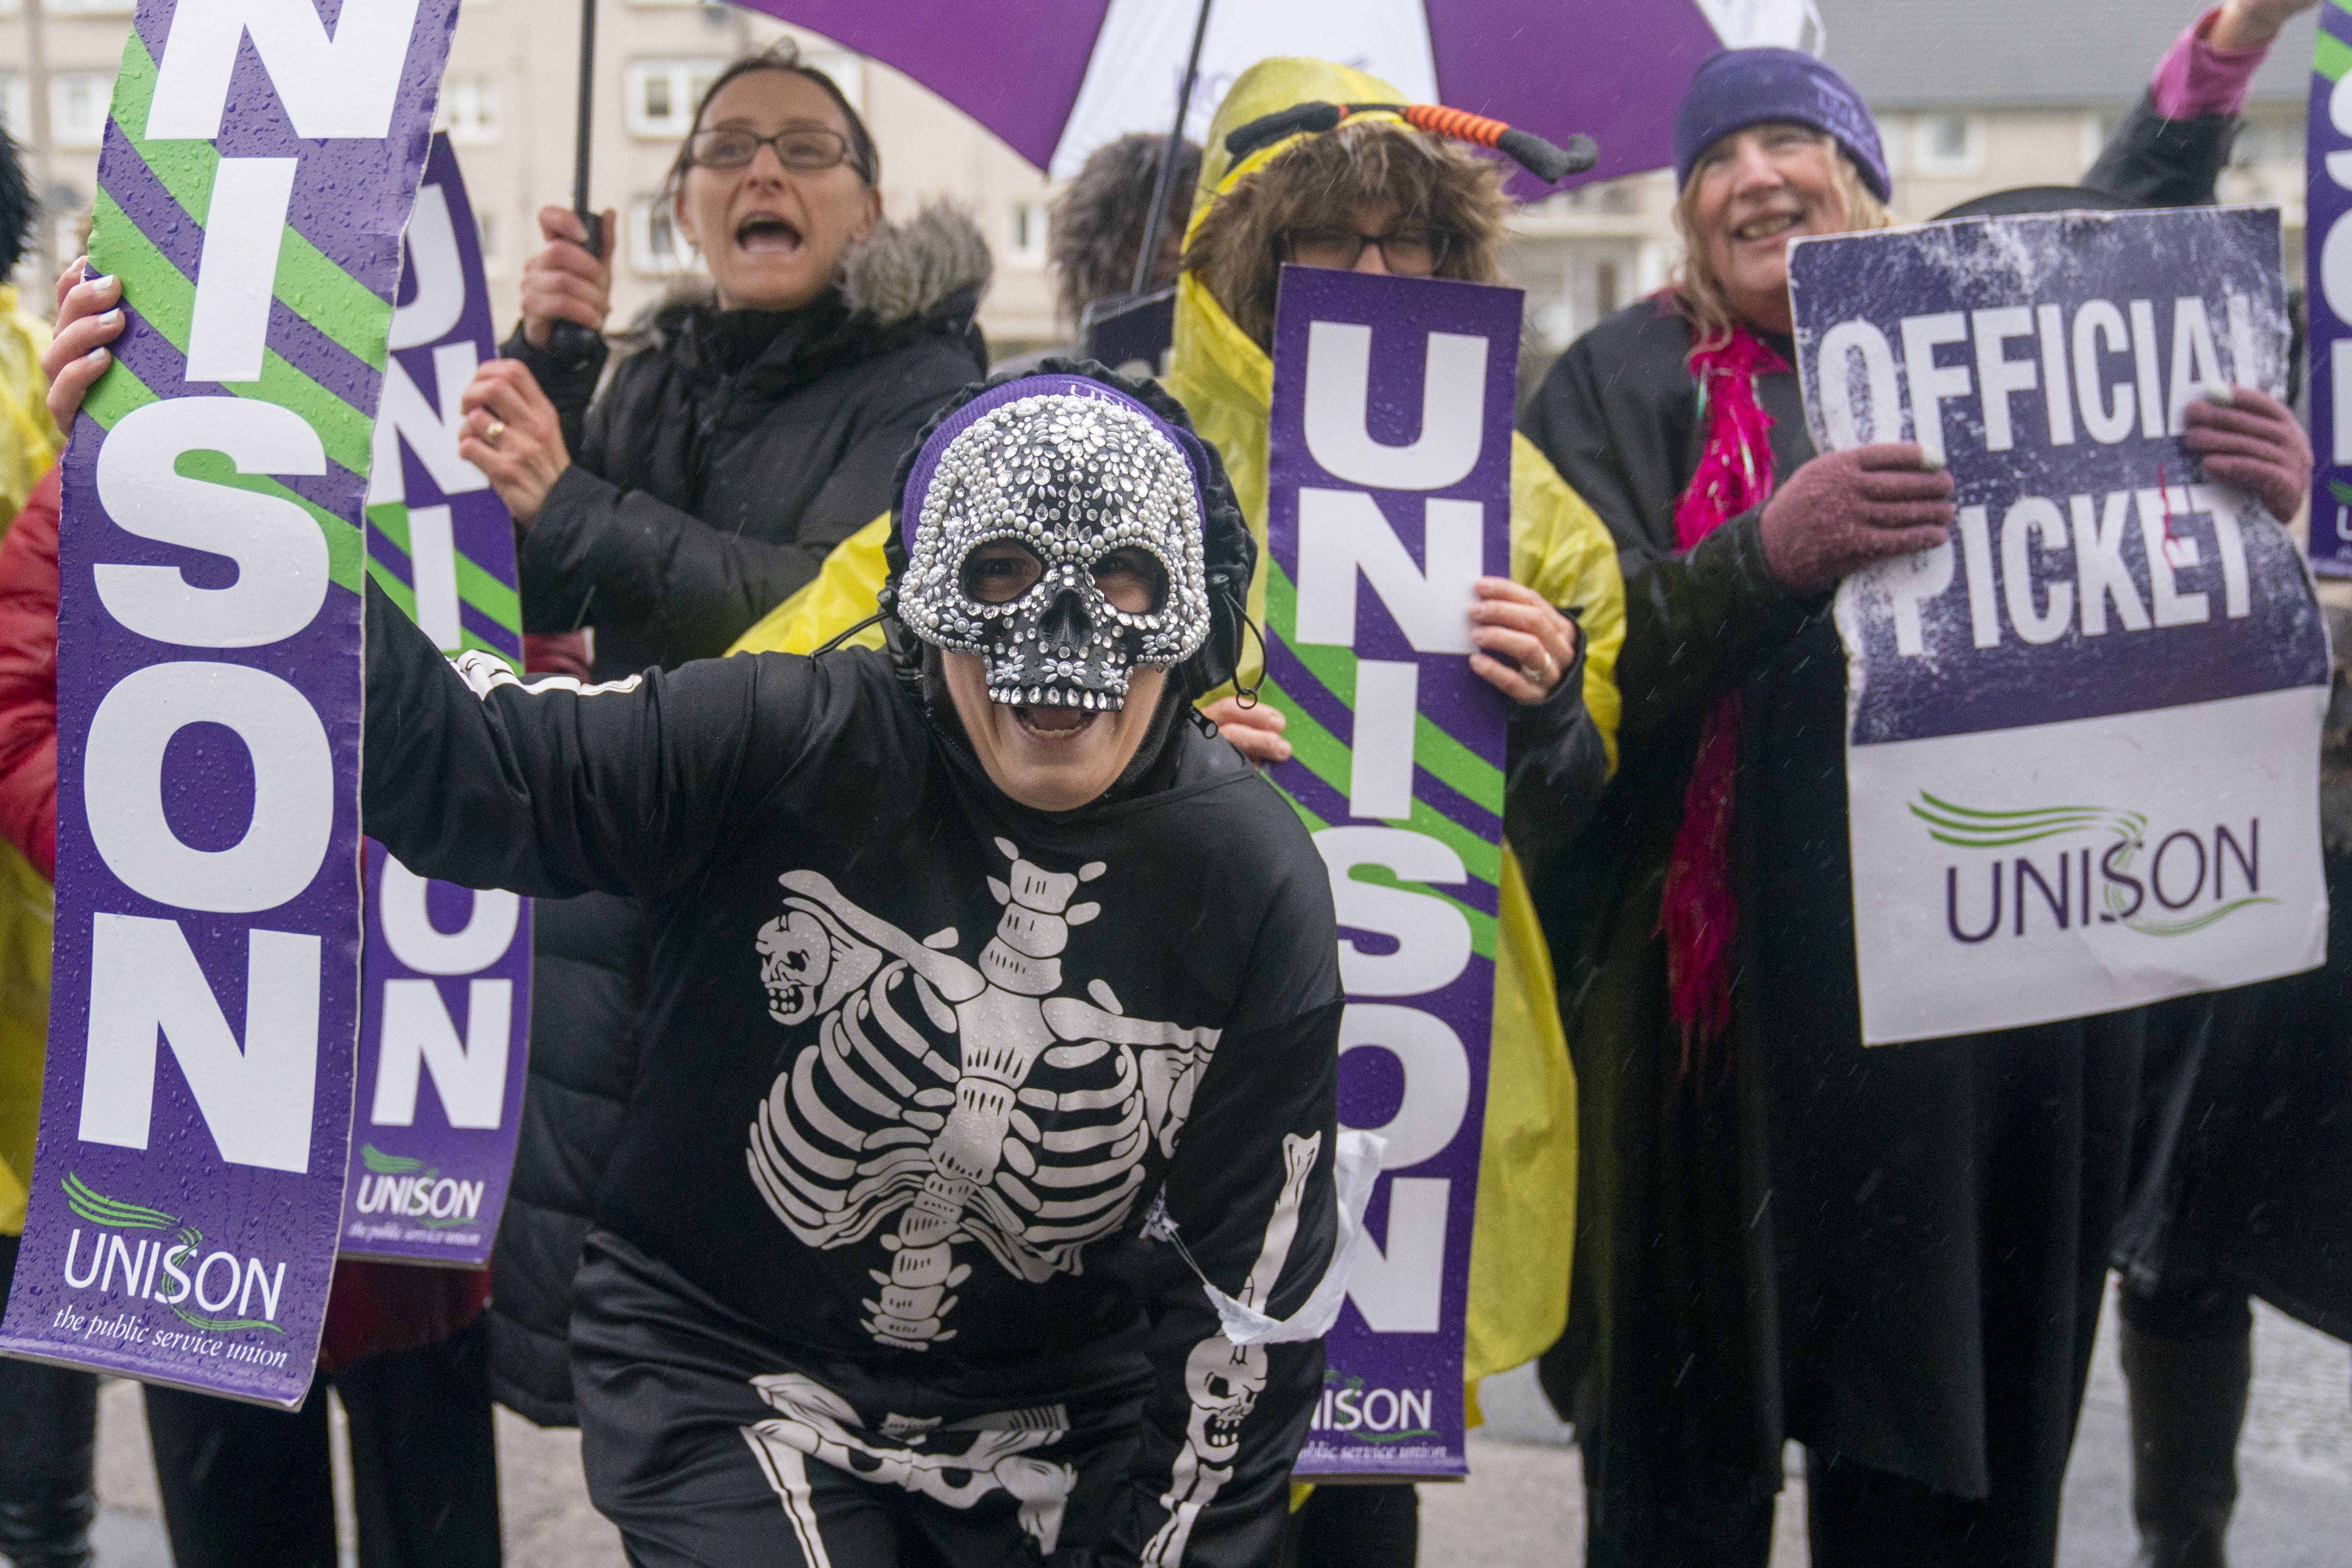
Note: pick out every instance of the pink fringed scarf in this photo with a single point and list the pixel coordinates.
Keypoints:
(1699, 914)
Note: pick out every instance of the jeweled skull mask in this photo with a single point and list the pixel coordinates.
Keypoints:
(1079, 480)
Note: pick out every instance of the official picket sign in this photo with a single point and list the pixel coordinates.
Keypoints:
(2082, 740)
(444, 1009)
(1388, 496)
(2327, 251)
(187, 1188)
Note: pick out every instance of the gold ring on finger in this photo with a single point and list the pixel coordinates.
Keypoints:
(492, 431)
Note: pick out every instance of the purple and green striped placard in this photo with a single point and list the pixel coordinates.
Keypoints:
(257, 170)
(445, 1015)
(1389, 495)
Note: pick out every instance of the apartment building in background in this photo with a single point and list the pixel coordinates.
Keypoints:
(507, 100)
(1970, 98)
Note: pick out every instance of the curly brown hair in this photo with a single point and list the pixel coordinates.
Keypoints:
(1096, 225)
(1235, 254)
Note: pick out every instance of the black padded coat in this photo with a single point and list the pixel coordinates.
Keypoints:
(1895, 1256)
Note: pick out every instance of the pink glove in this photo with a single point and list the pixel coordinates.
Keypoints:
(1845, 509)
(2254, 442)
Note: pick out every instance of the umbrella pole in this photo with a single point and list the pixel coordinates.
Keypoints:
(571, 342)
(1150, 250)
(582, 125)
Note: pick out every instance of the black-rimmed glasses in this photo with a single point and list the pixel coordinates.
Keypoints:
(1414, 252)
(803, 148)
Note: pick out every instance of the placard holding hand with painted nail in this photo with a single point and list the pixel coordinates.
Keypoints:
(260, 165)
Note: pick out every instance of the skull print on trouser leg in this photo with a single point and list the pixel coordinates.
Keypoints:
(1223, 1380)
(1031, 1143)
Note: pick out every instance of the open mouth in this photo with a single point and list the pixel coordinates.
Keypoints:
(767, 232)
(1772, 226)
(1056, 726)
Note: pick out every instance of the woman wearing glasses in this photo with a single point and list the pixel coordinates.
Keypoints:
(756, 422)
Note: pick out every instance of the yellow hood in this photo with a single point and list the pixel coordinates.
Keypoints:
(1268, 87)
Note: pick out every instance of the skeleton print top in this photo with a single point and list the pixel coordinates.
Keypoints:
(937, 1092)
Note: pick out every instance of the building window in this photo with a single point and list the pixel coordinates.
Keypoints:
(1028, 234)
(77, 107)
(15, 107)
(1947, 144)
(486, 224)
(87, 7)
(655, 247)
(847, 71)
(469, 109)
(1604, 288)
(663, 93)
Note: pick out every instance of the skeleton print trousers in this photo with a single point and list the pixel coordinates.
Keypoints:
(705, 1443)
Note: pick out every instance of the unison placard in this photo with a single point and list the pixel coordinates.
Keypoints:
(2081, 753)
(444, 1009)
(187, 1190)
(2328, 250)
(1389, 495)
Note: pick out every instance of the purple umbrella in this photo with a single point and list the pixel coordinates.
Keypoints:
(1057, 79)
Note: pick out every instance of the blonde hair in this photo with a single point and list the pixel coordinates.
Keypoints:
(1698, 292)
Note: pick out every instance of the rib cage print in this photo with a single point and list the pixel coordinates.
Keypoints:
(966, 1103)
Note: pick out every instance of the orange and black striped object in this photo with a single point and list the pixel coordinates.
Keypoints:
(1544, 160)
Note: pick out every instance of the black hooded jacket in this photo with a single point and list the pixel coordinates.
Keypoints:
(847, 917)
(727, 456)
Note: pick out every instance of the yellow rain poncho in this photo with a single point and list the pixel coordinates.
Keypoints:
(28, 437)
(1523, 1235)
(28, 444)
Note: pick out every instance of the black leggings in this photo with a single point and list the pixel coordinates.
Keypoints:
(2188, 1304)
(246, 1486)
(1355, 1527)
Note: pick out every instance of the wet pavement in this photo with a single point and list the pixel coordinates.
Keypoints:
(1521, 1508)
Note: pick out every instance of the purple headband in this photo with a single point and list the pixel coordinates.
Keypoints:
(1053, 385)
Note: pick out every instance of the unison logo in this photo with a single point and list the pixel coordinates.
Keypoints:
(409, 1188)
(2183, 886)
(1375, 1415)
(155, 1269)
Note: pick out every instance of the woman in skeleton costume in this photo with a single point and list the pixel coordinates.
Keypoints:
(994, 1028)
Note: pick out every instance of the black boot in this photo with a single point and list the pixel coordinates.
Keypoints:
(49, 1449)
(2187, 1404)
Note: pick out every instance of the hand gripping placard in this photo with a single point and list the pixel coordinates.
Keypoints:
(259, 164)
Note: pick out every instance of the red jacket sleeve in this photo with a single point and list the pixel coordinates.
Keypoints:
(28, 679)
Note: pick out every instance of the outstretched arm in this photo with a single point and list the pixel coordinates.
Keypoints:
(2171, 148)
(555, 788)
